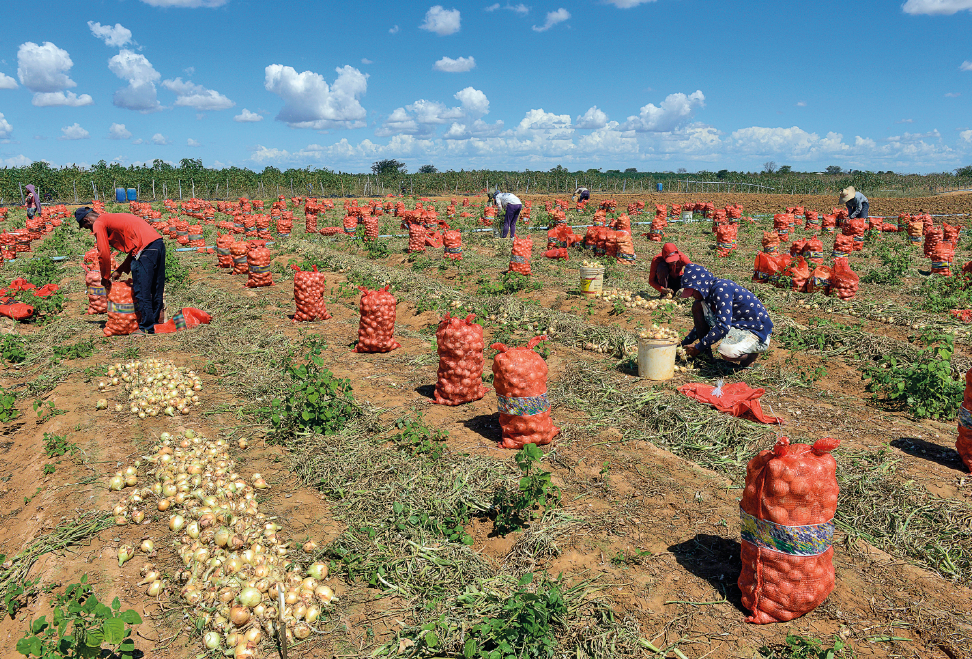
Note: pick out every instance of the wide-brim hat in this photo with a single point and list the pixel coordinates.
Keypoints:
(847, 194)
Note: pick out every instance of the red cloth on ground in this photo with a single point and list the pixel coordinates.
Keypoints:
(16, 310)
(187, 318)
(737, 399)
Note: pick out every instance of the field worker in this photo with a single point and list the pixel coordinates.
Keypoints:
(32, 202)
(511, 205)
(856, 202)
(665, 275)
(724, 310)
(582, 194)
(146, 259)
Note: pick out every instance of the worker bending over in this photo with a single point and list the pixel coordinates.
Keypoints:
(582, 194)
(511, 205)
(665, 275)
(856, 203)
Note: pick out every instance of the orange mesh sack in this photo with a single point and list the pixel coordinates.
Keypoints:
(813, 252)
(520, 380)
(122, 318)
(452, 240)
(416, 238)
(238, 252)
(964, 442)
(224, 258)
(771, 242)
(461, 360)
(787, 513)
(97, 296)
(376, 330)
(844, 282)
(626, 253)
(309, 295)
(258, 265)
(797, 276)
(520, 257)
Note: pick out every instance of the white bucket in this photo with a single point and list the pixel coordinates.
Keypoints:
(591, 280)
(656, 359)
(687, 216)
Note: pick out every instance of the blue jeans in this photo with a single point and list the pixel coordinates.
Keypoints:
(148, 284)
(509, 224)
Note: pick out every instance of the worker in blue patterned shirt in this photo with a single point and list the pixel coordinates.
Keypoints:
(724, 310)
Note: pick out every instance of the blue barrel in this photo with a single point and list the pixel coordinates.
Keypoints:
(120, 195)
(659, 187)
(132, 194)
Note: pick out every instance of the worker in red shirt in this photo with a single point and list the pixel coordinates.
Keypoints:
(666, 270)
(146, 259)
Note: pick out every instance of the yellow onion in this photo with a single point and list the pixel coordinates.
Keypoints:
(239, 615)
(324, 594)
(125, 552)
(301, 631)
(154, 588)
(147, 546)
(250, 597)
(211, 640)
(176, 522)
(253, 635)
(245, 651)
(312, 614)
(317, 571)
(116, 483)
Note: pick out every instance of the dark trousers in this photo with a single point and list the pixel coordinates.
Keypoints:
(864, 208)
(148, 284)
(583, 196)
(509, 224)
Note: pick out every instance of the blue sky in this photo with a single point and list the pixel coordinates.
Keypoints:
(652, 84)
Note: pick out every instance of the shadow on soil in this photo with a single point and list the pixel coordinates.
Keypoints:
(715, 559)
(925, 450)
(486, 426)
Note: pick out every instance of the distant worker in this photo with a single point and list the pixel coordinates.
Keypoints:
(856, 203)
(32, 202)
(146, 260)
(582, 194)
(665, 275)
(510, 205)
(724, 312)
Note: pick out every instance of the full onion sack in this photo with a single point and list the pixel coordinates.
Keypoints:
(520, 380)
(787, 513)
(452, 241)
(258, 264)
(97, 295)
(122, 318)
(376, 330)
(309, 295)
(520, 256)
(964, 442)
(460, 346)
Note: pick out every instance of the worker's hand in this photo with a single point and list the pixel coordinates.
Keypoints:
(666, 292)
(106, 282)
(692, 351)
(116, 275)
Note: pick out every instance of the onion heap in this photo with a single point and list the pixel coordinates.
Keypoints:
(591, 264)
(235, 563)
(154, 387)
(635, 300)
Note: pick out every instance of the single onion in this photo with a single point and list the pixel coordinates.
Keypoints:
(250, 597)
(116, 483)
(312, 614)
(154, 588)
(245, 651)
(192, 530)
(138, 516)
(125, 552)
(176, 522)
(253, 635)
(148, 546)
(164, 505)
(318, 571)
(324, 594)
(211, 640)
(239, 615)
(301, 631)
(121, 520)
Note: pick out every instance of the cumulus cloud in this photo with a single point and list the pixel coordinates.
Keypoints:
(17, 161)
(189, 94)
(492, 7)
(553, 17)
(422, 117)
(966, 66)
(160, 139)
(674, 110)
(593, 118)
(118, 132)
(793, 142)
(140, 94)
(5, 127)
(246, 117)
(801, 104)
(365, 60)
(188, 4)
(393, 30)
(965, 135)
(459, 65)
(73, 132)
(520, 8)
(476, 129)
(116, 37)
(936, 7)
(192, 142)
(43, 70)
(6, 82)
(310, 103)
(474, 102)
(264, 154)
(627, 4)
(538, 124)
(441, 21)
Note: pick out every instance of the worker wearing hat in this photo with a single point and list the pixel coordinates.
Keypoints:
(582, 194)
(146, 259)
(510, 205)
(856, 203)
(665, 275)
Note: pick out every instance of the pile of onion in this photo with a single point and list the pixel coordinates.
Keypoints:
(236, 568)
(155, 386)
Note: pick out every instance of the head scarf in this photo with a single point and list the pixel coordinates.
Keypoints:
(30, 189)
(697, 278)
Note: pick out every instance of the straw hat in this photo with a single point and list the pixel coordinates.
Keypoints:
(847, 194)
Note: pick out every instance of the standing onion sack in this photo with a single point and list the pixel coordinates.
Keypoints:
(460, 346)
(520, 256)
(376, 330)
(309, 295)
(787, 513)
(97, 296)
(258, 264)
(963, 444)
(122, 318)
(520, 380)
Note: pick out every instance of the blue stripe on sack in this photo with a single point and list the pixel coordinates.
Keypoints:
(259, 269)
(453, 250)
(96, 290)
(180, 321)
(964, 418)
(114, 307)
(517, 259)
(810, 540)
(528, 406)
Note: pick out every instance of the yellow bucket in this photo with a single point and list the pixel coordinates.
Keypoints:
(591, 280)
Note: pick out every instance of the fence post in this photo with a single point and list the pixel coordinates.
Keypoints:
(292, 187)
(180, 189)
(193, 182)
(153, 189)
(21, 186)
(75, 192)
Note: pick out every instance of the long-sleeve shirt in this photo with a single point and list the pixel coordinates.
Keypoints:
(661, 271)
(123, 231)
(856, 205)
(731, 304)
(504, 199)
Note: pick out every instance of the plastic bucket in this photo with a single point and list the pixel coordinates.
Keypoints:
(687, 216)
(591, 280)
(656, 359)
(120, 195)
(132, 194)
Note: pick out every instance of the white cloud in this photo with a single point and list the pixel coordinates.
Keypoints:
(310, 103)
(116, 37)
(263, 154)
(422, 117)
(674, 110)
(6, 82)
(936, 7)
(189, 4)
(17, 161)
(365, 60)
(553, 17)
(905, 121)
(801, 104)
(460, 65)
(627, 4)
(140, 94)
(118, 132)
(952, 95)
(192, 142)
(492, 7)
(160, 139)
(793, 142)
(43, 70)
(73, 132)
(538, 124)
(247, 117)
(477, 129)
(5, 127)
(521, 9)
(393, 30)
(189, 94)
(441, 21)
(966, 135)
(593, 118)
(474, 102)
(966, 66)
